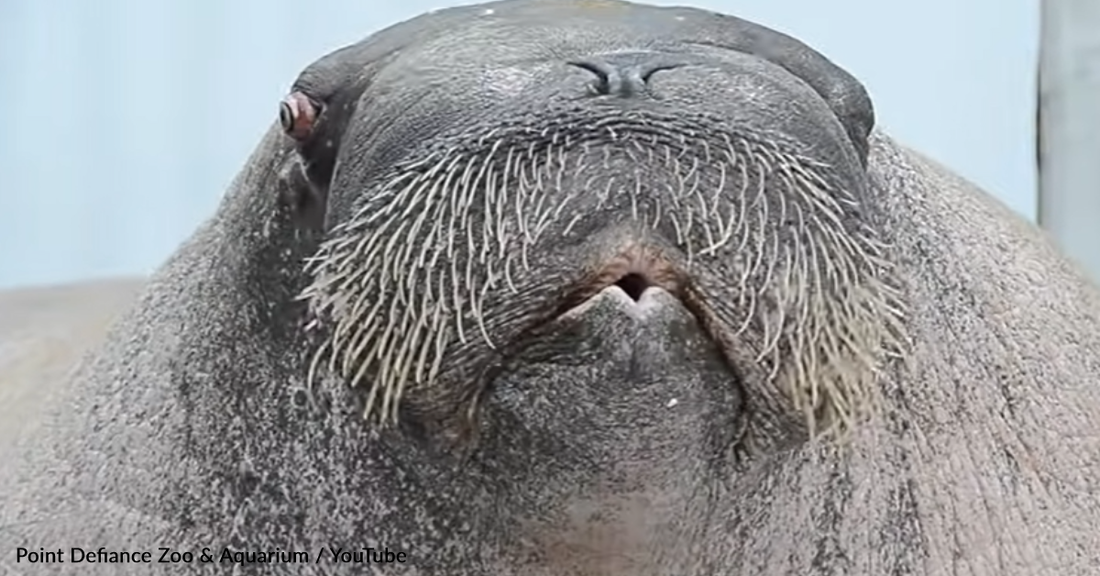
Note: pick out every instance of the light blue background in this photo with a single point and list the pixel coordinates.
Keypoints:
(122, 121)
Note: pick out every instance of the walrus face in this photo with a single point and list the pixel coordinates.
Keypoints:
(638, 249)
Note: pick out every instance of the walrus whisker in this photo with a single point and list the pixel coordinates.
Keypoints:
(733, 219)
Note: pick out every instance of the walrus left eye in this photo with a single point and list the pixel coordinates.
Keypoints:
(297, 114)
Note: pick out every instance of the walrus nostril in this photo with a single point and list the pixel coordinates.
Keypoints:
(634, 285)
(608, 78)
(623, 75)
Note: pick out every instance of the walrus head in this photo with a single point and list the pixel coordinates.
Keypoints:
(610, 228)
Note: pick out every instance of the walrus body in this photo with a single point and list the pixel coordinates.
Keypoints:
(583, 287)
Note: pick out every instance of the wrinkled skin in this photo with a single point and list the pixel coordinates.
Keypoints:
(600, 434)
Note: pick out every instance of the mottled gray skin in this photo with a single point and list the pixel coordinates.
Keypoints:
(193, 425)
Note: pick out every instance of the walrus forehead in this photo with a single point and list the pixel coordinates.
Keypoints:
(468, 73)
(485, 69)
(415, 107)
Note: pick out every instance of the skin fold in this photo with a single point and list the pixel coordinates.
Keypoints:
(569, 288)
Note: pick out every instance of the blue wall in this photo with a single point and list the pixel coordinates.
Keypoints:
(122, 121)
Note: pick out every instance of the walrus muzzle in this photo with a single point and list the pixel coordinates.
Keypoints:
(456, 258)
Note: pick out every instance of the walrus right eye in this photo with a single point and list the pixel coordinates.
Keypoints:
(298, 115)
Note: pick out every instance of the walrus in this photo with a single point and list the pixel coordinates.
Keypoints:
(578, 287)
